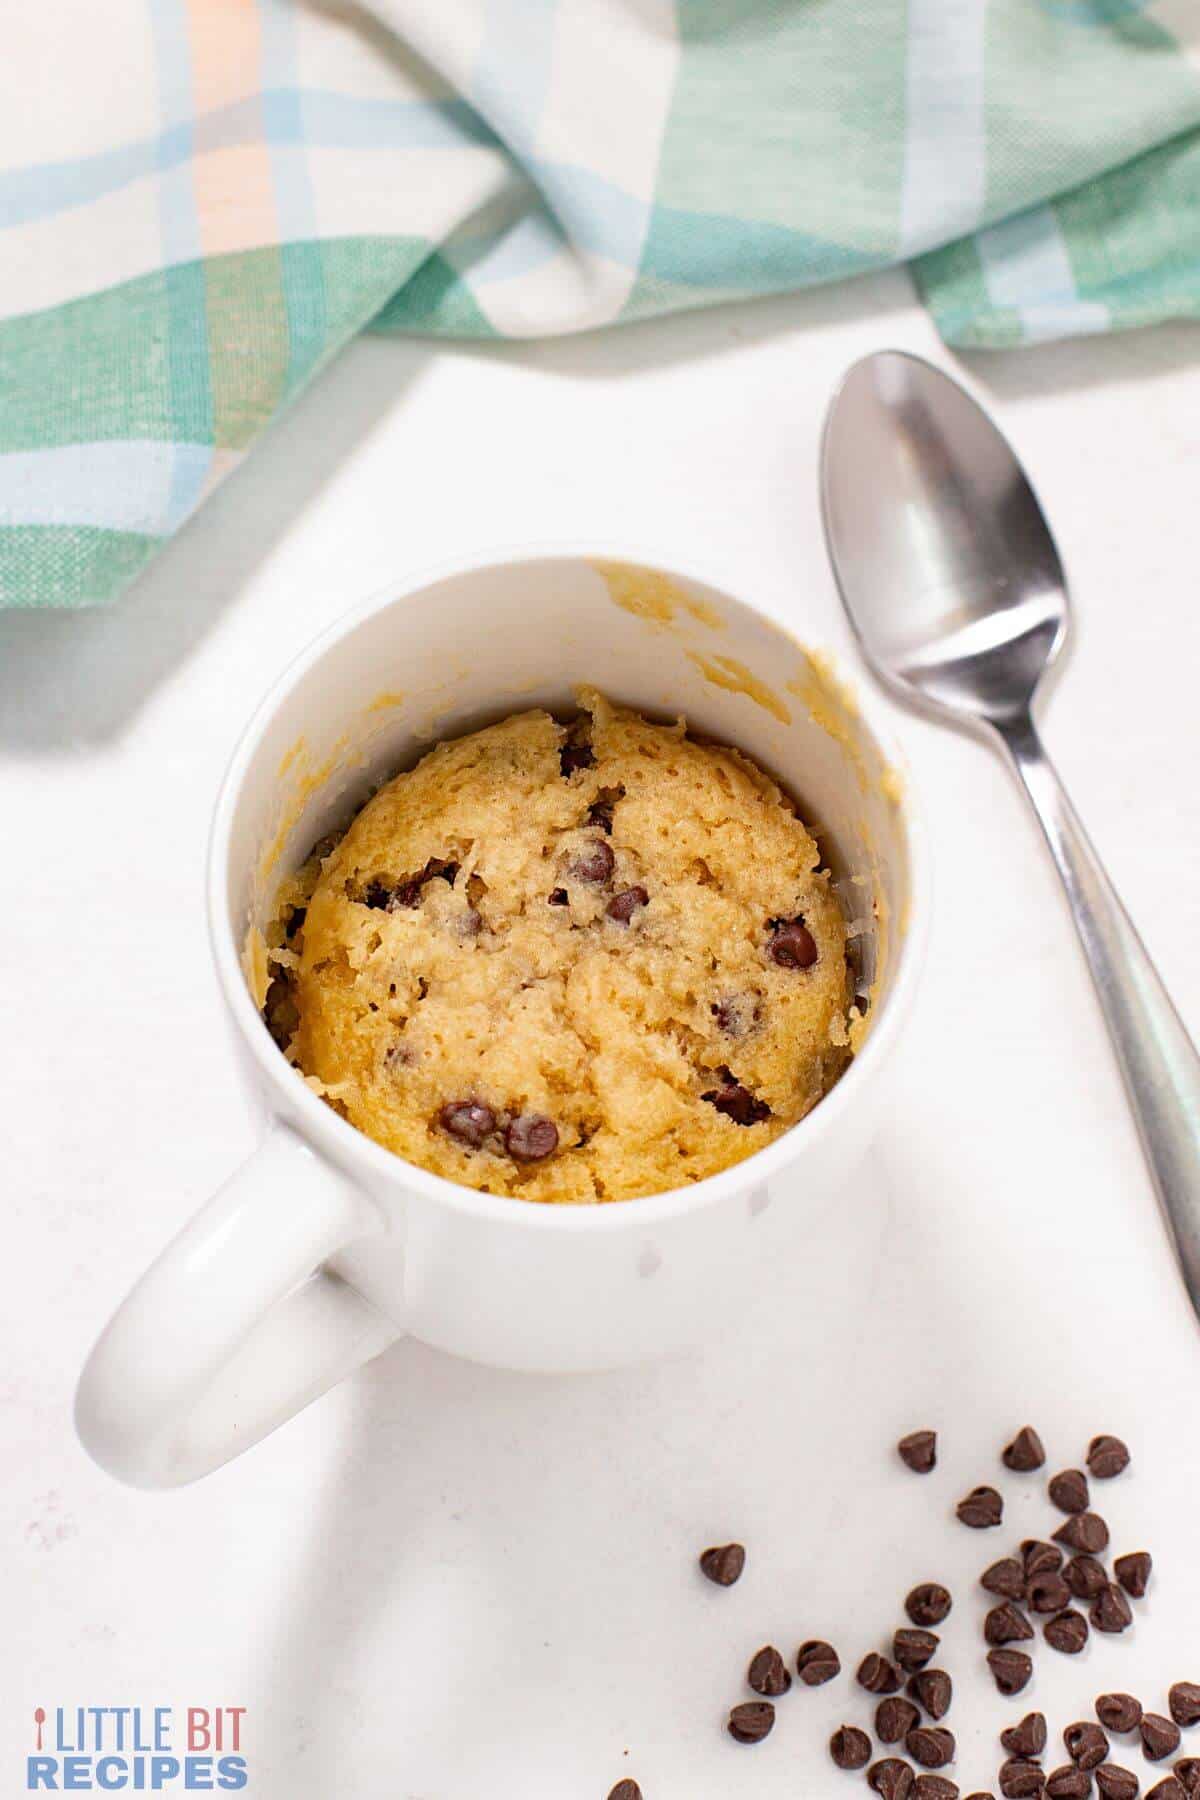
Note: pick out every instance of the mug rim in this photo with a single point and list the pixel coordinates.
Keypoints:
(342, 1141)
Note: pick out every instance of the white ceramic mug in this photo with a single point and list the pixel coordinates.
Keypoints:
(323, 1248)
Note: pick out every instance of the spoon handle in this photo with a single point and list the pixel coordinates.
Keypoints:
(1157, 1058)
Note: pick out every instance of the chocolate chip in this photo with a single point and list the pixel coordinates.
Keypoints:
(1068, 1784)
(1038, 1557)
(1086, 1744)
(792, 944)
(1069, 1491)
(1116, 1783)
(918, 1451)
(470, 1121)
(894, 1719)
(1025, 1453)
(1007, 1624)
(1028, 1739)
(818, 1662)
(531, 1138)
(1067, 1632)
(1048, 1593)
(767, 1673)
(1086, 1531)
(850, 1748)
(928, 1604)
(377, 895)
(1106, 1457)
(1188, 1773)
(981, 1509)
(622, 906)
(933, 1690)
(1160, 1737)
(1111, 1611)
(735, 1015)
(576, 756)
(981, 1796)
(1011, 1670)
(1184, 1700)
(1006, 1577)
(626, 1790)
(736, 1102)
(1119, 1712)
(1085, 1577)
(1019, 1779)
(595, 865)
(723, 1564)
(1169, 1788)
(876, 1674)
(559, 897)
(934, 1787)
(930, 1745)
(913, 1649)
(600, 813)
(751, 1722)
(1133, 1572)
(890, 1778)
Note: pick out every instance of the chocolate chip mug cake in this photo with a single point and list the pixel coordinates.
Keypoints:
(575, 962)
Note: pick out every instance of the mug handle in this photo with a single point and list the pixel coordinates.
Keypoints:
(238, 1324)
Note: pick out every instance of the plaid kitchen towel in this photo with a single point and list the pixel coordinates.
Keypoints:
(202, 200)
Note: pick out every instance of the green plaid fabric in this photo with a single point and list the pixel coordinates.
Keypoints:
(207, 198)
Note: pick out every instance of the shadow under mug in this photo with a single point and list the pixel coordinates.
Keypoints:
(324, 1247)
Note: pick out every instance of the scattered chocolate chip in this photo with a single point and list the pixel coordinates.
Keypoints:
(1133, 1572)
(1038, 1557)
(911, 1649)
(1188, 1774)
(981, 1796)
(890, 1778)
(1086, 1531)
(1119, 1712)
(1007, 1624)
(1020, 1779)
(1085, 1577)
(934, 1787)
(767, 1673)
(919, 1451)
(1025, 1453)
(933, 1691)
(531, 1137)
(736, 1102)
(600, 813)
(1068, 1784)
(751, 1722)
(792, 944)
(876, 1674)
(626, 1790)
(818, 1662)
(850, 1748)
(1086, 1744)
(1169, 1788)
(894, 1719)
(1067, 1632)
(1184, 1700)
(1160, 1737)
(575, 756)
(622, 906)
(1116, 1783)
(1069, 1491)
(928, 1604)
(1006, 1577)
(595, 865)
(1028, 1739)
(735, 1015)
(470, 1121)
(559, 897)
(981, 1509)
(1011, 1670)
(723, 1564)
(1048, 1593)
(931, 1745)
(1107, 1456)
(1111, 1611)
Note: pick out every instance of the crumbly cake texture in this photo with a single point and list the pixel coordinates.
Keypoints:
(576, 962)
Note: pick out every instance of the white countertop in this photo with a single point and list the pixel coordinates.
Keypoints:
(444, 1582)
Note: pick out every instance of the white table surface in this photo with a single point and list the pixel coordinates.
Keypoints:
(445, 1582)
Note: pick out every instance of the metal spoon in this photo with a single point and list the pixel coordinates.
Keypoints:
(957, 596)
